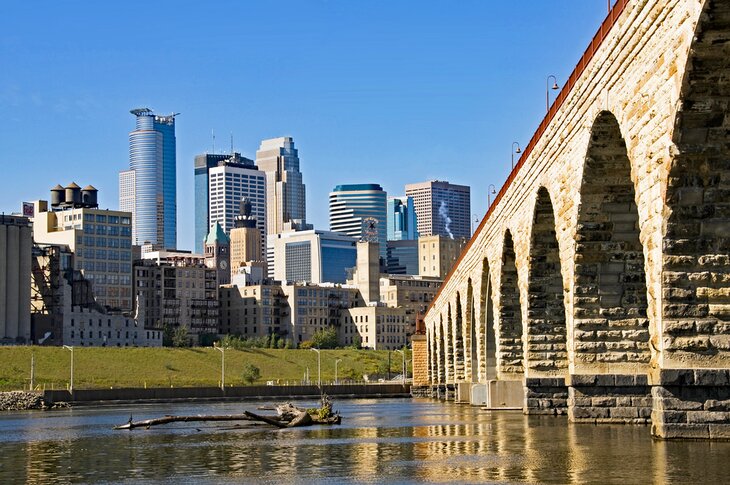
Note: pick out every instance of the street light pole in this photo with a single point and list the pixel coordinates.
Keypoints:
(319, 366)
(491, 190)
(519, 150)
(547, 90)
(71, 386)
(223, 366)
(337, 362)
(404, 364)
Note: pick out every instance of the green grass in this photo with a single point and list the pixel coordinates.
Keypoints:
(96, 367)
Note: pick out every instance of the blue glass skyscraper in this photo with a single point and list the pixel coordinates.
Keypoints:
(148, 188)
(401, 219)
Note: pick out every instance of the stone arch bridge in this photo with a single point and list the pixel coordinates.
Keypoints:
(598, 283)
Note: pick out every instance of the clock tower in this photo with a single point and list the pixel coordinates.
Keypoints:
(218, 253)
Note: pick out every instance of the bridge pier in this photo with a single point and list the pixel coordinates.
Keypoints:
(691, 403)
(609, 398)
(546, 395)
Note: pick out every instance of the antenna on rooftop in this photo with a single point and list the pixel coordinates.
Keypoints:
(231, 143)
(212, 134)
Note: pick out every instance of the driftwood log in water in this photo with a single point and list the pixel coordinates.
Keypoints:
(184, 419)
(289, 417)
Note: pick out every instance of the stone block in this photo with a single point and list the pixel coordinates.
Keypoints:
(676, 377)
(606, 380)
(588, 413)
(578, 380)
(720, 431)
(680, 431)
(624, 401)
(677, 404)
(670, 416)
(625, 412)
(712, 377)
(715, 405)
(603, 401)
(644, 413)
(707, 417)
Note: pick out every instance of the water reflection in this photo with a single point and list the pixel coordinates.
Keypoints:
(380, 441)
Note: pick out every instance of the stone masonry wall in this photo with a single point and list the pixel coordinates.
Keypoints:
(691, 403)
(419, 362)
(609, 398)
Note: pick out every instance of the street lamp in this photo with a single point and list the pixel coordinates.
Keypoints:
(223, 366)
(519, 150)
(474, 222)
(547, 90)
(319, 366)
(337, 362)
(71, 386)
(491, 190)
(404, 364)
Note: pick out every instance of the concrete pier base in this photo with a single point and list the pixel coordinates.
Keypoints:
(546, 395)
(691, 404)
(609, 398)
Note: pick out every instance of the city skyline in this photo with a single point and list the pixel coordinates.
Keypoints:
(441, 115)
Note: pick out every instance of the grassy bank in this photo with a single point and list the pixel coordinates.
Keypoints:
(96, 367)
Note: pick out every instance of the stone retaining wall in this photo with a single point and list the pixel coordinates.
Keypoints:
(546, 395)
(691, 403)
(609, 398)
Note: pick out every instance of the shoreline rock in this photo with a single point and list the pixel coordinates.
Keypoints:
(26, 400)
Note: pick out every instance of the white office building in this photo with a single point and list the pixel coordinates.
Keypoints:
(228, 184)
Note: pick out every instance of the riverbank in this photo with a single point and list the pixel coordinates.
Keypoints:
(23, 401)
(136, 367)
(186, 394)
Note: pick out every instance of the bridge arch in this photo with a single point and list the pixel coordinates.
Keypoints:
(458, 347)
(471, 351)
(441, 351)
(547, 352)
(696, 237)
(510, 353)
(486, 330)
(449, 345)
(611, 328)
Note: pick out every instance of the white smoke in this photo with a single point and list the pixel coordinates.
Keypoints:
(444, 212)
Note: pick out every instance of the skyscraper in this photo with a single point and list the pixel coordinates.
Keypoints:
(228, 183)
(148, 188)
(203, 164)
(359, 210)
(285, 191)
(441, 208)
(401, 219)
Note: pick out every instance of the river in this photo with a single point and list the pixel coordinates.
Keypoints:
(379, 441)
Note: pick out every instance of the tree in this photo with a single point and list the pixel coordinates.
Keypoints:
(325, 338)
(180, 337)
(251, 373)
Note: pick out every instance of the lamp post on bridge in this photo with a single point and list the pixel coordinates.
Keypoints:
(491, 190)
(547, 90)
(519, 150)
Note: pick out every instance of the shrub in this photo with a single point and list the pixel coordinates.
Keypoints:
(250, 373)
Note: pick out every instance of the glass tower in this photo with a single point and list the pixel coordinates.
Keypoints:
(148, 188)
(359, 210)
(401, 219)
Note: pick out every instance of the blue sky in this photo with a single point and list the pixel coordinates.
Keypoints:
(388, 92)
